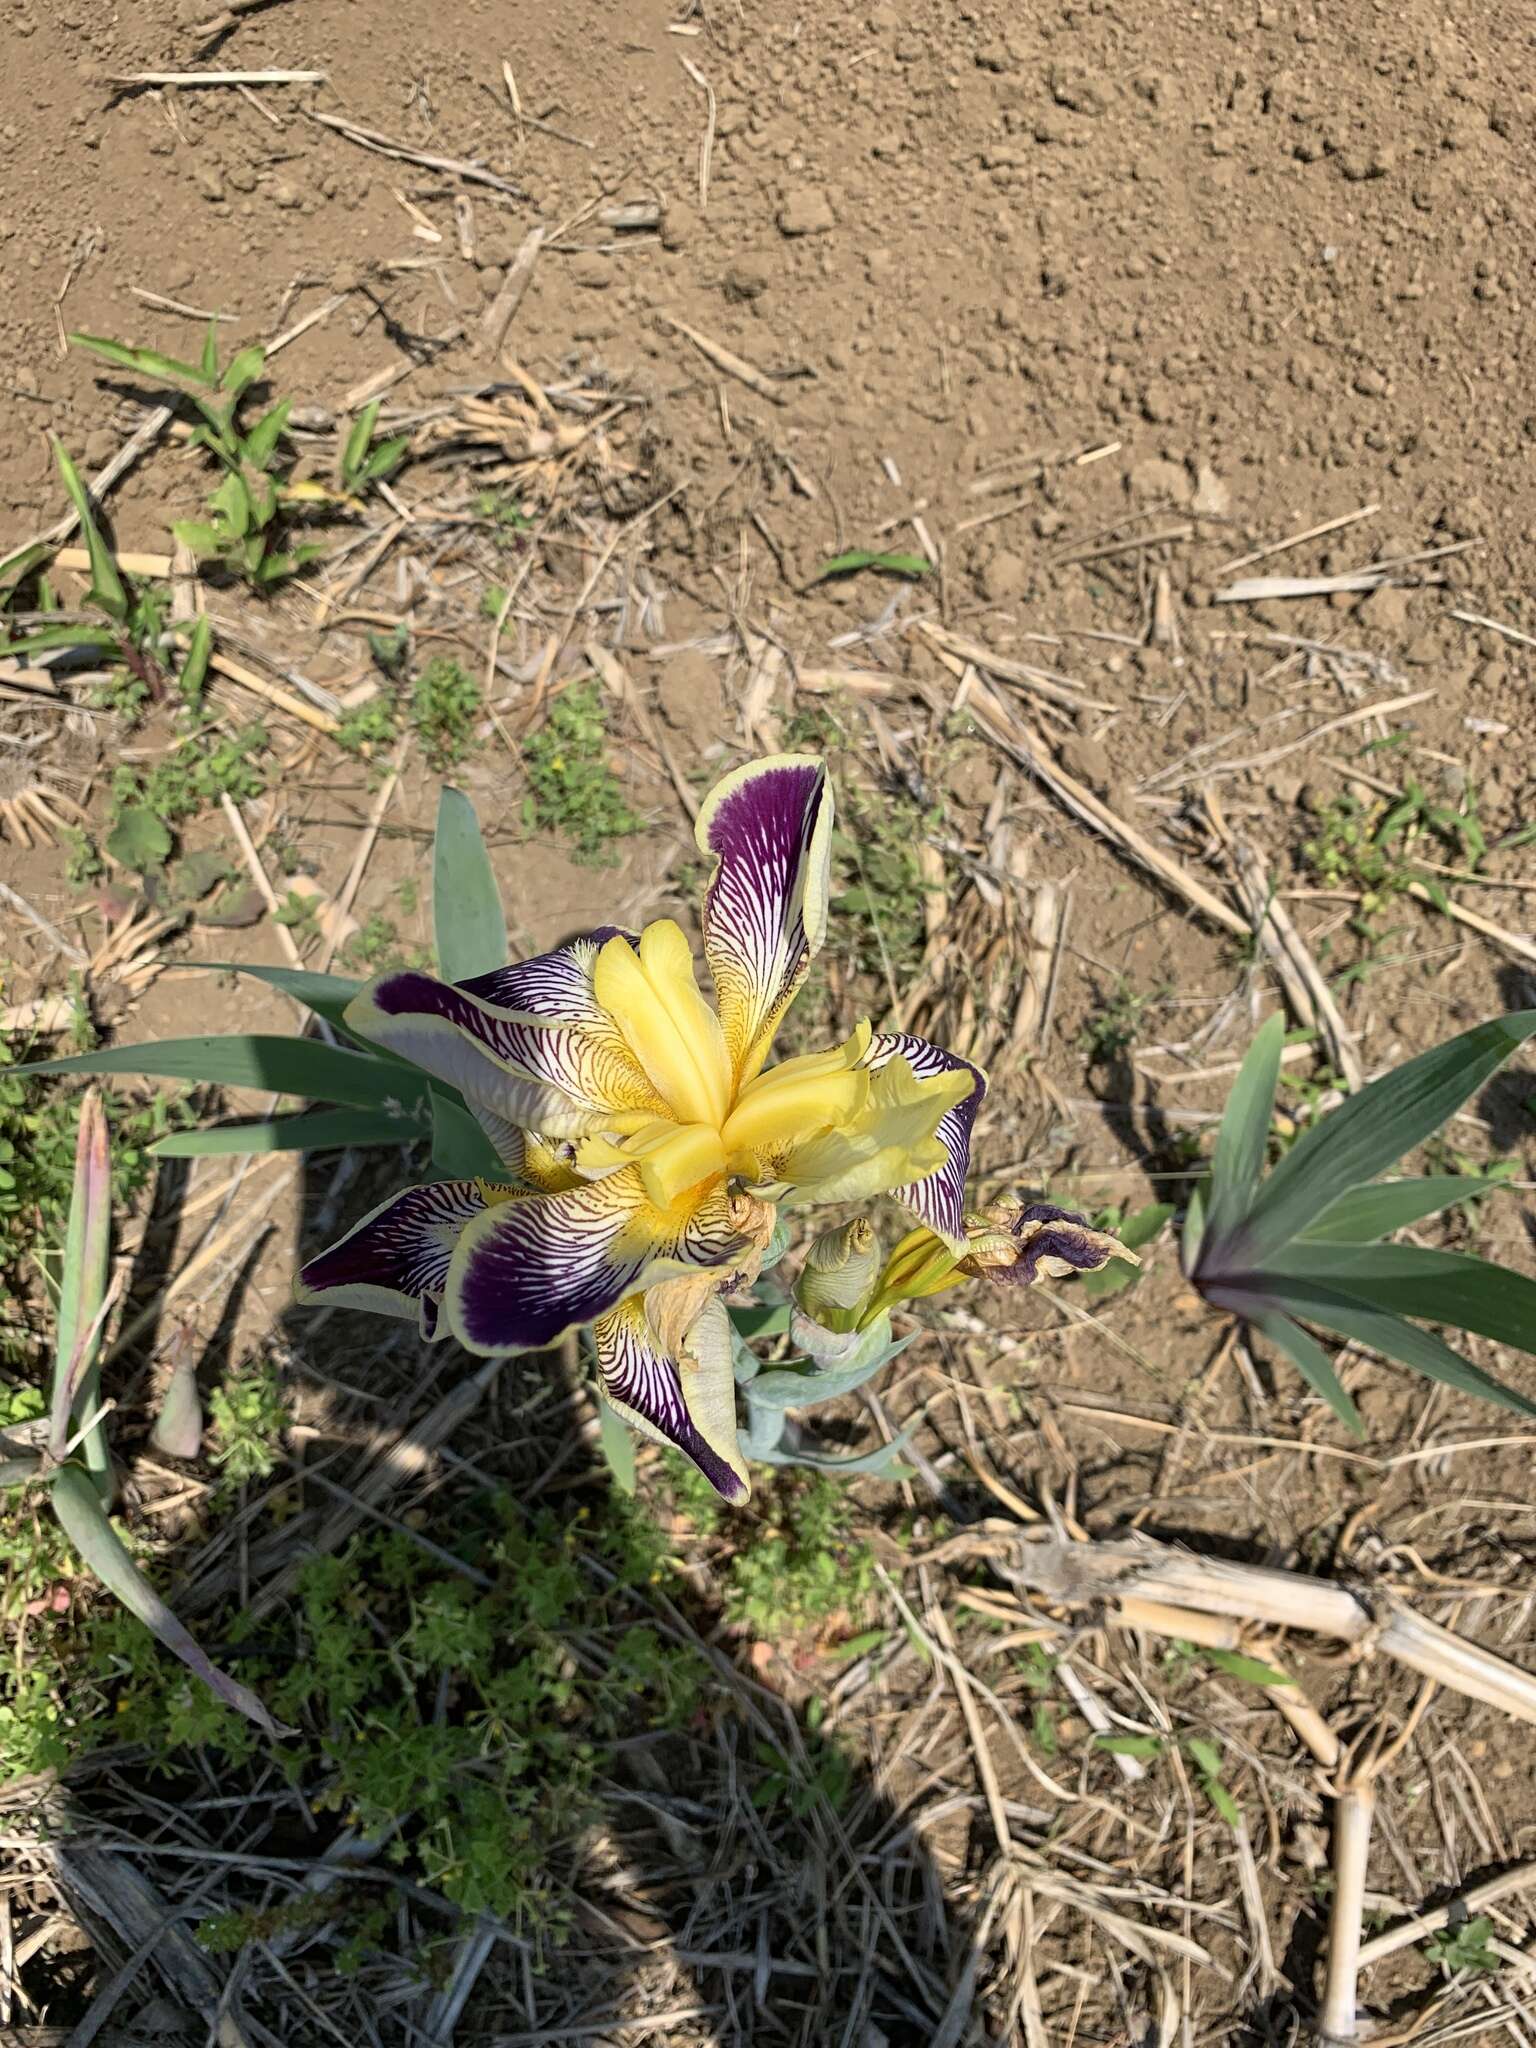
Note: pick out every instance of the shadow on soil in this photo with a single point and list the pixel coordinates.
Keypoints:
(501, 1685)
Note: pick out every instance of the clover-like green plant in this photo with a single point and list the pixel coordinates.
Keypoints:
(1307, 1244)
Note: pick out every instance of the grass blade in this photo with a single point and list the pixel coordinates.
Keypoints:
(282, 1066)
(1309, 1358)
(243, 369)
(83, 1291)
(1373, 1129)
(25, 560)
(863, 558)
(84, 1521)
(326, 994)
(106, 585)
(1406, 1280)
(385, 459)
(1244, 1133)
(75, 635)
(194, 670)
(468, 926)
(1403, 1341)
(321, 1130)
(357, 441)
(1365, 1214)
(149, 362)
(261, 442)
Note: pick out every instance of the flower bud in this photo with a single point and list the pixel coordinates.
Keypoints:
(921, 1264)
(839, 1270)
(1019, 1243)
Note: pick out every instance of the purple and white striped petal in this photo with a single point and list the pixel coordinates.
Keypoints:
(536, 1266)
(559, 1078)
(939, 1201)
(395, 1262)
(557, 984)
(688, 1401)
(769, 826)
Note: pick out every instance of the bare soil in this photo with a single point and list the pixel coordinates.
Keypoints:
(1091, 300)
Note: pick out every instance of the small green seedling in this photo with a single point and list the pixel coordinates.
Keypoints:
(1115, 1026)
(134, 632)
(1204, 1754)
(865, 558)
(446, 703)
(1377, 848)
(204, 766)
(572, 789)
(826, 1780)
(249, 1417)
(806, 1572)
(881, 889)
(1463, 1946)
(242, 528)
(364, 460)
(1306, 1243)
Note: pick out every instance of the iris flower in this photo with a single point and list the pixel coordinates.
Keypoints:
(647, 1144)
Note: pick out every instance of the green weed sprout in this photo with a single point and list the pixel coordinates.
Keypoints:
(243, 524)
(69, 1456)
(134, 631)
(571, 788)
(1306, 1243)
(364, 460)
(1375, 848)
(1463, 1946)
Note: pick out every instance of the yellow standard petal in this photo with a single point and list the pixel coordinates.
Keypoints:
(654, 998)
(889, 1143)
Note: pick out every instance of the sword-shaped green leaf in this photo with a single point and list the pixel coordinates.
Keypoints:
(469, 926)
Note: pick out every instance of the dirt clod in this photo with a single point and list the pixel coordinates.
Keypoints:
(806, 210)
